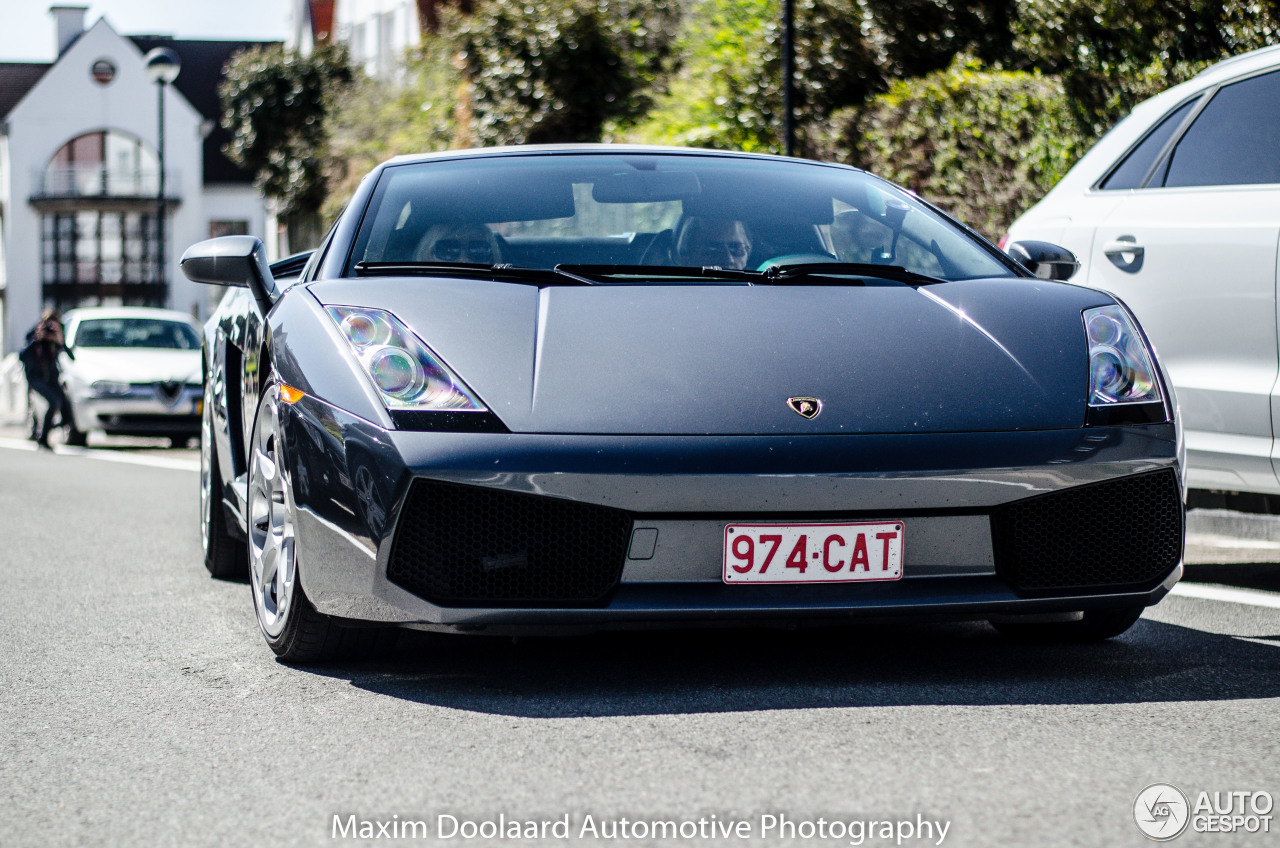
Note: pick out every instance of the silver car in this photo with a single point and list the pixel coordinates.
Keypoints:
(136, 372)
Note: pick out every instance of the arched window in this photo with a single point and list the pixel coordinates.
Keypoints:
(99, 239)
(103, 163)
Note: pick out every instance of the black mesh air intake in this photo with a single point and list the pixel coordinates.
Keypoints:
(1124, 533)
(472, 546)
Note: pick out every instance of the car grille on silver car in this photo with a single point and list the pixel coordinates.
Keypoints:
(462, 545)
(1124, 533)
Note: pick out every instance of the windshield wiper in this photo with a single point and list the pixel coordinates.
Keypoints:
(660, 272)
(788, 273)
(500, 273)
(814, 273)
(829, 273)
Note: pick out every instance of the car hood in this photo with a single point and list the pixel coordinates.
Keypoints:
(984, 355)
(133, 365)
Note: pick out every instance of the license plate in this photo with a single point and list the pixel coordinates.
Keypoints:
(813, 553)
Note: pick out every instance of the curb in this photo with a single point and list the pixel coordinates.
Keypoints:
(1238, 525)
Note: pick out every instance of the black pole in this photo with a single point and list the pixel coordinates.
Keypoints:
(160, 199)
(788, 73)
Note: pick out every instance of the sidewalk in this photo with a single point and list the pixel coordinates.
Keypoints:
(1228, 537)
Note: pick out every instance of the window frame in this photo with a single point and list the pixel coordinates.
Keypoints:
(1162, 156)
(1161, 162)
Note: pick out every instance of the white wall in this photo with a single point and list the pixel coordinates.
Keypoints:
(5, 206)
(228, 202)
(67, 103)
(232, 202)
(359, 22)
(300, 37)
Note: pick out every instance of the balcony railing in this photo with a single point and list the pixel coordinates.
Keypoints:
(99, 181)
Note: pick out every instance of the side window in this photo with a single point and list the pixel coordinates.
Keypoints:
(1235, 140)
(1133, 169)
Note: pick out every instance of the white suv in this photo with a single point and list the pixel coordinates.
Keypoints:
(1177, 211)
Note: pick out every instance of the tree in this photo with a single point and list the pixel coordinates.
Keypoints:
(276, 104)
(913, 38)
(1115, 53)
(556, 70)
(726, 89)
(378, 118)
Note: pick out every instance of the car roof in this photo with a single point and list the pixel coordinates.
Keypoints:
(1254, 60)
(88, 312)
(552, 149)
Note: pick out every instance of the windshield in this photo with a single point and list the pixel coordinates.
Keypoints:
(663, 210)
(136, 332)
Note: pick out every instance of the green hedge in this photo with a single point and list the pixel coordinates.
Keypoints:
(723, 89)
(982, 144)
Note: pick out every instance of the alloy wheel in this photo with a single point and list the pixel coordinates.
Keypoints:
(272, 559)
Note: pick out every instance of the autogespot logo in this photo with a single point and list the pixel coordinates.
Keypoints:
(1161, 812)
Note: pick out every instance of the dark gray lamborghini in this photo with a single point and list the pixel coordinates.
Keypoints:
(600, 386)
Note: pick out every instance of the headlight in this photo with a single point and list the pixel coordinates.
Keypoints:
(406, 374)
(109, 388)
(1120, 366)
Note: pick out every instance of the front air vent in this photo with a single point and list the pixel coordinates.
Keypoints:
(1115, 535)
(459, 545)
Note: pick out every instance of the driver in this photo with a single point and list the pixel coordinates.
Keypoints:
(459, 243)
(721, 242)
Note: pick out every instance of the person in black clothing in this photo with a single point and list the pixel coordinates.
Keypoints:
(40, 364)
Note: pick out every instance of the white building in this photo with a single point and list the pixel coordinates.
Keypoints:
(79, 175)
(311, 25)
(378, 32)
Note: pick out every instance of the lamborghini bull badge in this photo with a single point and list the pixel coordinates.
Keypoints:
(806, 407)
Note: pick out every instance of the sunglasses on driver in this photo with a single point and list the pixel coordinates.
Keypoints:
(452, 250)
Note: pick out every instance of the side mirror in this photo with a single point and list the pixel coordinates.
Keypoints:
(233, 261)
(1047, 261)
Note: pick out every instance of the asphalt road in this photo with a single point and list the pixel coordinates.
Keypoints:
(138, 706)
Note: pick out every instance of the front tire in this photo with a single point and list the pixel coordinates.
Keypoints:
(224, 555)
(1092, 626)
(294, 630)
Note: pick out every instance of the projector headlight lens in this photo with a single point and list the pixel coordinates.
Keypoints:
(406, 373)
(1120, 365)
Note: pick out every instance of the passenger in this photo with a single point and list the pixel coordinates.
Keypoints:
(721, 242)
(474, 243)
(40, 365)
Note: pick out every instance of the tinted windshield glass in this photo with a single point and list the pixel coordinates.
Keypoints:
(136, 332)
(660, 210)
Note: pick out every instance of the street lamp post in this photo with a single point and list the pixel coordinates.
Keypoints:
(163, 66)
